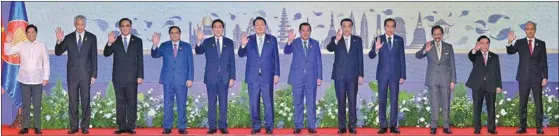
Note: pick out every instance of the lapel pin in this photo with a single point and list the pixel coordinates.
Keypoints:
(536, 44)
(268, 41)
(85, 39)
(213, 45)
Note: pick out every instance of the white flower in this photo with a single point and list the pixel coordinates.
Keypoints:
(501, 102)
(31, 114)
(282, 104)
(549, 109)
(376, 119)
(404, 102)
(550, 100)
(47, 117)
(428, 108)
(556, 116)
(418, 99)
(421, 119)
(196, 100)
(503, 112)
(151, 98)
(496, 121)
(289, 118)
(416, 125)
(151, 112)
(376, 108)
(332, 116)
(90, 126)
(290, 114)
(427, 126)
(504, 92)
(198, 96)
(508, 99)
(288, 109)
(497, 116)
(425, 98)
(107, 116)
(404, 109)
(233, 94)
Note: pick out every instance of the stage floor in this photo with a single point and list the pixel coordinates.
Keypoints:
(323, 131)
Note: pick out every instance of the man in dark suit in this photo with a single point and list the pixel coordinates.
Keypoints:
(305, 75)
(391, 71)
(347, 73)
(485, 82)
(81, 70)
(176, 76)
(128, 72)
(532, 72)
(219, 75)
(262, 73)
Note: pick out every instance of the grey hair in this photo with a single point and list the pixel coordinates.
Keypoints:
(82, 17)
(530, 22)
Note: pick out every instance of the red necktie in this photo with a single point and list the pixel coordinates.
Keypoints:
(485, 58)
(175, 51)
(530, 47)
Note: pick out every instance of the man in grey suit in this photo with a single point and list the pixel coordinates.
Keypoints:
(440, 76)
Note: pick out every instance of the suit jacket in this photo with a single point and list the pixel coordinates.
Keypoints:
(439, 72)
(82, 63)
(490, 72)
(220, 68)
(306, 64)
(266, 64)
(175, 71)
(531, 68)
(127, 66)
(391, 63)
(347, 65)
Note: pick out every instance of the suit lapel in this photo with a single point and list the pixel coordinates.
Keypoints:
(536, 48)
(85, 41)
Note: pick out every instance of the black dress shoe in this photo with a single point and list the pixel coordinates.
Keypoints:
(521, 130)
(477, 131)
(85, 131)
(382, 130)
(269, 131)
(212, 131)
(352, 131)
(23, 131)
(166, 131)
(539, 130)
(223, 131)
(120, 131)
(394, 130)
(182, 131)
(38, 131)
(447, 131)
(131, 131)
(296, 131)
(342, 131)
(492, 132)
(254, 131)
(72, 131)
(433, 131)
(312, 130)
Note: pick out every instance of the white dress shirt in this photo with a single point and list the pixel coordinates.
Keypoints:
(260, 40)
(78, 35)
(34, 67)
(347, 41)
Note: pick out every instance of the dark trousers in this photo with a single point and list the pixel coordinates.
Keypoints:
(126, 105)
(524, 92)
(346, 89)
(479, 95)
(31, 93)
(383, 87)
(78, 92)
(217, 92)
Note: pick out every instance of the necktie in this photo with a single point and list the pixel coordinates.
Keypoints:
(125, 44)
(79, 43)
(260, 46)
(347, 44)
(175, 50)
(485, 58)
(439, 51)
(390, 43)
(530, 47)
(218, 47)
(305, 47)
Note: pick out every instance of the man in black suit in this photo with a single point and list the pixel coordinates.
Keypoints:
(347, 73)
(485, 82)
(128, 72)
(531, 74)
(81, 70)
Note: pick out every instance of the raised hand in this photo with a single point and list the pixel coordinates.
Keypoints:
(244, 40)
(290, 37)
(339, 35)
(511, 36)
(199, 34)
(112, 38)
(155, 39)
(428, 47)
(477, 47)
(378, 44)
(59, 34)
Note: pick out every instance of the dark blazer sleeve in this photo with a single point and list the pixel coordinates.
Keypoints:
(402, 60)
(94, 57)
(155, 53)
(288, 49)
(242, 51)
(512, 49)
(200, 49)
(499, 82)
(108, 51)
(59, 49)
(471, 56)
(276, 58)
(419, 54)
(544, 60)
(232, 68)
(319, 60)
(331, 47)
(360, 59)
(373, 53)
(140, 59)
(189, 59)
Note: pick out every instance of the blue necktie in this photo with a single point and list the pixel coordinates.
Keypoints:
(305, 47)
(79, 43)
(125, 44)
(218, 47)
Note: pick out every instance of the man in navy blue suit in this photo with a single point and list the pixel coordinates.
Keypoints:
(262, 73)
(305, 75)
(176, 76)
(391, 71)
(347, 72)
(219, 75)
